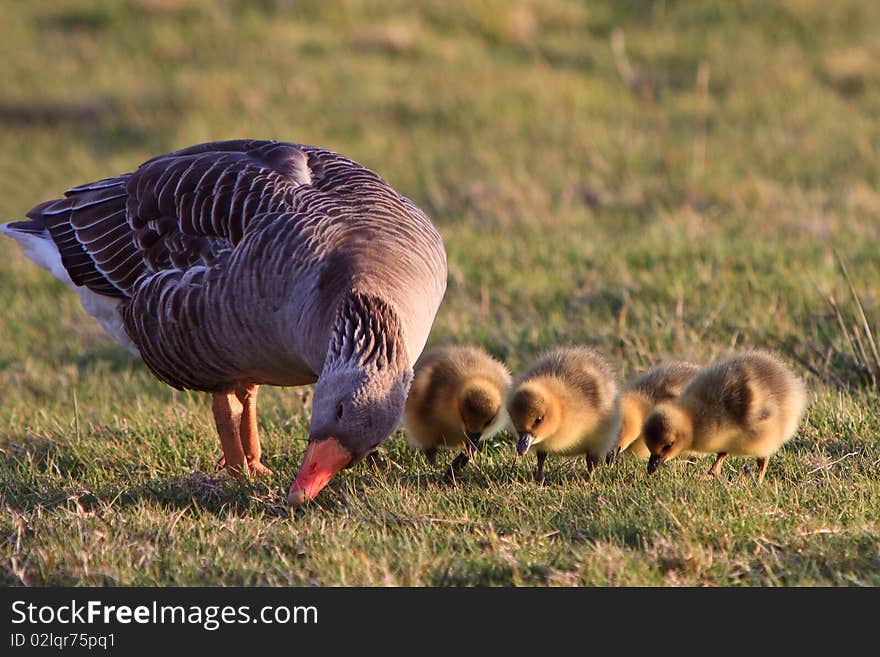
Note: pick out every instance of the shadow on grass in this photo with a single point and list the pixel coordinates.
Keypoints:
(215, 494)
(40, 473)
(198, 492)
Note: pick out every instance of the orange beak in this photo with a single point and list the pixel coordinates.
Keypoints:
(323, 459)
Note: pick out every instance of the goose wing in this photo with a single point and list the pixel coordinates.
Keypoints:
(175, 211)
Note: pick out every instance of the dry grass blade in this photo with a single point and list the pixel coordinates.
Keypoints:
(863, 355)
(864, 320)
(843, 329)
(826, 466)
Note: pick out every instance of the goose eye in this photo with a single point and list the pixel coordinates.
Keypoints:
(539, 419)
(339, 410)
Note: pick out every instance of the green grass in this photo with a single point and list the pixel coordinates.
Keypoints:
(654, 178)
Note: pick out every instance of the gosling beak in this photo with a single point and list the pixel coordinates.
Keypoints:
(524, 442)
(654, 463)
(473, 437)
(323, 459)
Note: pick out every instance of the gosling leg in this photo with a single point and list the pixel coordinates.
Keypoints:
(539, 471)
(460, 461)
(762, 467)
(716, 468)
(592, 462)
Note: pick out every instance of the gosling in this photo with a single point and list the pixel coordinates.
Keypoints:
(659, 384)
(566, 403)
(748, 404)
(456, 399)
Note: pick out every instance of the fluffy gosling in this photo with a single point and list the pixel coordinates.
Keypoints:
(748, 404)
(456, 398)
(659, 384)
(568, 403)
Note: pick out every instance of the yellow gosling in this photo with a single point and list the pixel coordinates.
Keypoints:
(659, 384)
(456, 399)
(749, 404)
(567, 403)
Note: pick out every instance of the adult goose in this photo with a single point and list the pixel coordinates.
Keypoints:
(233, 264)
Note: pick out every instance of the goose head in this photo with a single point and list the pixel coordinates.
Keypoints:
(359, 397)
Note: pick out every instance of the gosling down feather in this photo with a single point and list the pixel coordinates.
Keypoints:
(232, 264)
(658, 384)
(456, 399)
(568, 403)
(748, 404)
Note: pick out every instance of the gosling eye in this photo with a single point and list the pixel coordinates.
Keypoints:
(339, 410)
(538, 420)
(488, 422)
(667, 447)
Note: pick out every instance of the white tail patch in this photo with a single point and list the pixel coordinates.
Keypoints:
(40, 249)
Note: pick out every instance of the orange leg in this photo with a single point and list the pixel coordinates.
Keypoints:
(227, 415)
(248, 434)
(762, 468)
(716, 468)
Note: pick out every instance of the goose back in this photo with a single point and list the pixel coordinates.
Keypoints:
(233, 260)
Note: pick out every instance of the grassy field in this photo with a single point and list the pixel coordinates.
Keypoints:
(654, 178)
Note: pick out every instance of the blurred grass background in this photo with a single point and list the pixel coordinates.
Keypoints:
(656, 178)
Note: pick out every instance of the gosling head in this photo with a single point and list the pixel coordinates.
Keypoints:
(668, 431)
(535, 413)
(479, 405)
